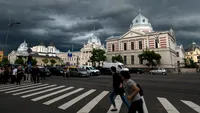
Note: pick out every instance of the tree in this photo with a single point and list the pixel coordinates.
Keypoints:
(45, 61)
(98, 55)
(151, 57)
(19, 60)
(5, 61)
(117, 58)
(34, 62)
(52, 62)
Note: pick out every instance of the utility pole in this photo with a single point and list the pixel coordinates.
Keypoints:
(4, 48)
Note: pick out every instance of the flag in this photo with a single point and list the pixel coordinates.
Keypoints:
(12, 24)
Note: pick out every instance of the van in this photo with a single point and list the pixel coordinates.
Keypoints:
(91, 70)
(119, 66)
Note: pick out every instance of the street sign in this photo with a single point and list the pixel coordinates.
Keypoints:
(69, 54)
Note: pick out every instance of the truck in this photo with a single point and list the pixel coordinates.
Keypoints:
(119, 66)
(91, 70)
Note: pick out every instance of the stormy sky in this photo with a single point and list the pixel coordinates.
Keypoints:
(67, 22)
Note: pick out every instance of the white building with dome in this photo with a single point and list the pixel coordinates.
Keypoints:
(141, 36)
(39, 52)
(82, 57)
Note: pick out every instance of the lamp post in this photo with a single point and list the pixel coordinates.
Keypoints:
(9, 26)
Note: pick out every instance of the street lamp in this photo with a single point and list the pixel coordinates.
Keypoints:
(9, 26)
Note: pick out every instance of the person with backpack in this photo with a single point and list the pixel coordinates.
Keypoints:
(117, 89)
(132, 91)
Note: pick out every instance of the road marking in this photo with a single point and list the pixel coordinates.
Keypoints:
(13, 91)
(118, 102)
(73, 101)
(144, 106)
(62, 96)
(54, 93)
(192, 105)
(167, 105)
(17, 87)
(40, 92)
(87, 108)
(33, 90)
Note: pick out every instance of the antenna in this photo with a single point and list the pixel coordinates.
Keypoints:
(139, 11)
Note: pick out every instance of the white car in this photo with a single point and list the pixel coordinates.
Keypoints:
(158, 71)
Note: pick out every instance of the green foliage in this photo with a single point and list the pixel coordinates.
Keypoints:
(5, 61)
(19, 60)
(117, 58)
(45, 61)
(98, 55)
(189, 63)
(151, 57)
(34, 62)
(52, 62)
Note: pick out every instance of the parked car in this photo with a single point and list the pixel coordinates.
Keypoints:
(79, 72)
(45, 70)
(158, 71)
(57, 71)
(136, 70)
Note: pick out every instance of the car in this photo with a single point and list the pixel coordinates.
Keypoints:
(57, 71)
(45, 70)
(136, 70)
(158, 71)
(78, 72)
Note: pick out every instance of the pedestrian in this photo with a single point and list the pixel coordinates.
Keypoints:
(35, 74)
(28, 74)
(14, 74)
(20, 74)
(117, 89)
(42, 73)
(132, 93)
(6, 74)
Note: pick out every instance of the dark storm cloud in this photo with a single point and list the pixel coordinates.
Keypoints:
(67, 22)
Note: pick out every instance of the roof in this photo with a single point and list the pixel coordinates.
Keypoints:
(41, 43)
(113, 37)
(51, 44)
(193, 46)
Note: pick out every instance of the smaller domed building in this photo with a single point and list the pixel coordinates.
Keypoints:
(82, 57)
(193, 52)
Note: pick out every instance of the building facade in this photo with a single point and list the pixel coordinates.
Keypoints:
(82, 57)
(39, 53)
(140, 37)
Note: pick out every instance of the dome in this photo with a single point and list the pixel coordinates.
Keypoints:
(94, 40)
(141, 23)
(23, 46)
(193, 46)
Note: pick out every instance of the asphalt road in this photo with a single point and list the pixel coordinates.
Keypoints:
(162, 94)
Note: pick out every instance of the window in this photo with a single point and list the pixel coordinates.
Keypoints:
(132, 59)
(156, 42)
(140, 44)
(143, 20)
(132, 46)
(125, 60)
(125, 48)
(136, 21)
(141, 61)
(113, 47)
(177, 54)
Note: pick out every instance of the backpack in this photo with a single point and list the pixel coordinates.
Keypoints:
(141, 91)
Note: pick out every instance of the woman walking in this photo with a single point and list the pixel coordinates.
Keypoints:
(117, 89)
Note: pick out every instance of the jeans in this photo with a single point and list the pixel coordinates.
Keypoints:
(136, 106)
(28, 77)
(124, 99)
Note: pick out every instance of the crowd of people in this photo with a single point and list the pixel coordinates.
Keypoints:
(16, 74)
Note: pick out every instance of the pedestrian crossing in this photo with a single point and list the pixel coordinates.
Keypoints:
(65, 97)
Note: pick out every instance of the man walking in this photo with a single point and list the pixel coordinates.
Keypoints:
(132, 93)
(117, 89)
(35, 74)
(20, 74)
(14, 74)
